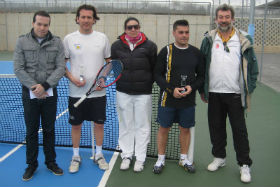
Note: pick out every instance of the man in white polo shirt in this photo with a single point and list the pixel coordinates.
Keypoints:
(230, 79)
(87, 51)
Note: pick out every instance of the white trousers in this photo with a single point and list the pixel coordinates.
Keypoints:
(134, 113)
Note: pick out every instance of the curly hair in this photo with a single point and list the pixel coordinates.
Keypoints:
(87, 7)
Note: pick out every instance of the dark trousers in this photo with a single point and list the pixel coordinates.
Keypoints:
(34, 111)
(220, 106)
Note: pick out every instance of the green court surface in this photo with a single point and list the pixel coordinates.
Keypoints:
(263, 122)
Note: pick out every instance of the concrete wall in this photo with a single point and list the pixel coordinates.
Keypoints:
(155, 27)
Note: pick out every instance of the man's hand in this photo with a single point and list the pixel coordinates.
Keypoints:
(202, 96)
(38, 90)
(182, 92)
(188, 90)
(177, 93)
(78, 82)
(100, 84)
(43, 96)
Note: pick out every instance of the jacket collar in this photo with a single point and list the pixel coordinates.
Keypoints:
(245, 39)
(49, 36)
(122, 38)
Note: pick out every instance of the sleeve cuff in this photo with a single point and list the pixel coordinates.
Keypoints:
(46, 86)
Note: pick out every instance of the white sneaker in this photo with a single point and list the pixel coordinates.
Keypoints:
(100, 160)
(217, 162)
(75, 164)
(138, 166)
(125, 163)
(245, 174)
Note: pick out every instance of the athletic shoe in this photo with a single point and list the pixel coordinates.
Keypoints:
(53, 167)
(101, 162)
(217, 162)
(29, 172)
(125, 163)
(188, 167)
(245, 174)
(75, 164)
(138, 166)
(158, 167)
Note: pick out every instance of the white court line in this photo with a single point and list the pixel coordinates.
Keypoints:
(107, 173)
(20, 145)
(62, 113)
(10, 152)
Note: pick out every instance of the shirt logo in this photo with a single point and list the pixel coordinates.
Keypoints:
(217, 46)
(77, 46)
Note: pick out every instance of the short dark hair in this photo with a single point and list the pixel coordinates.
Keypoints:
(41, 13)
(181, 22)
(225, 7)
(87, 7)
(130, 19)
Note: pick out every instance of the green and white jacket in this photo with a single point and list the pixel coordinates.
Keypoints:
(248, 66)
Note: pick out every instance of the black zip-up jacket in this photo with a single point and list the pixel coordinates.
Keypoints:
(137, 76)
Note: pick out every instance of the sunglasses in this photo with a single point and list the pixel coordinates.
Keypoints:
(226, 47)
(130, 27)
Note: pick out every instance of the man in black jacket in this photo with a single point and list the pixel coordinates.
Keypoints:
(179, 72)
(134, 92)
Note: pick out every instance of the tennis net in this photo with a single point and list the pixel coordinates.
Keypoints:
(12, 125)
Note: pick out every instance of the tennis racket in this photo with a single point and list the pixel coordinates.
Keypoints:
(107, 76)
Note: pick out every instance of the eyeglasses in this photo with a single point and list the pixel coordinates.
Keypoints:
(226, 47)
(130, 27)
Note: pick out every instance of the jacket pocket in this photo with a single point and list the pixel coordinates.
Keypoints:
(29, 54)
(51, 53)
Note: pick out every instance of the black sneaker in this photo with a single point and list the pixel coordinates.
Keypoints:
(158, 169)
(189, 168)
(53, 167)
(29, 172)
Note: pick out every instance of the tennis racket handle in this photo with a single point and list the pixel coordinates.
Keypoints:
(80, 101)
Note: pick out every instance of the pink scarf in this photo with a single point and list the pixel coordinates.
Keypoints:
(134, 39)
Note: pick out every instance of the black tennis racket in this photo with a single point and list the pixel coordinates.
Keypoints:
(107, 76)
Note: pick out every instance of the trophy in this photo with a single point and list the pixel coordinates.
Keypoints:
(183, 82)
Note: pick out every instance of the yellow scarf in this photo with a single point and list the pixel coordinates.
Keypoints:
(231, 34)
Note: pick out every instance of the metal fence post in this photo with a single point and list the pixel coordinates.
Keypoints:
(263, 40)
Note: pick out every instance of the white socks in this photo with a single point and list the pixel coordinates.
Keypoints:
(183, 156)
(185, 160)
(98, 150)
(161, 160)
(75, 152)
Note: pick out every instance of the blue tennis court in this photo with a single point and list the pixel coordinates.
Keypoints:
(12, 156)
(12, 168)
